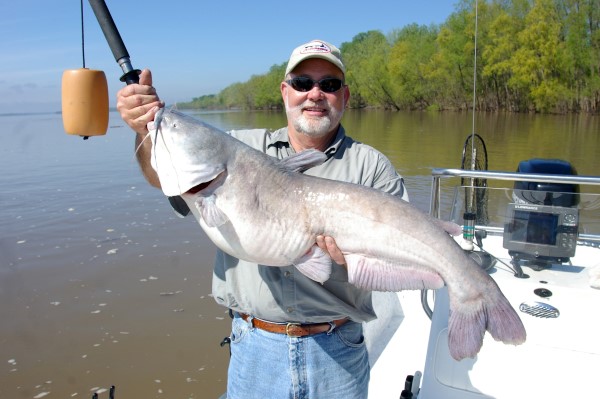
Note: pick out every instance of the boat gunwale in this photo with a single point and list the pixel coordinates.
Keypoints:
(438, 173)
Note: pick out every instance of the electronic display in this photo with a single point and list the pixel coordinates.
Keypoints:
(541, 230)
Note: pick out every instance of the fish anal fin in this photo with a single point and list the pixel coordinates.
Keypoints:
(303, 160)
(315, 264)
(379, 275)
(210, 212)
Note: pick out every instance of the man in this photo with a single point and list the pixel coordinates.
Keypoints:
(292, 337)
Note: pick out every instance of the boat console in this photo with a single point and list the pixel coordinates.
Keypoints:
(542, 224)
(541, 233)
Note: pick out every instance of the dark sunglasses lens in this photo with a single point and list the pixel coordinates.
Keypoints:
(302, 84)
(330, 85)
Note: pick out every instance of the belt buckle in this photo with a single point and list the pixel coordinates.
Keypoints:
(287, 329)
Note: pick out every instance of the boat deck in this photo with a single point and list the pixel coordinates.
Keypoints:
(562, 353)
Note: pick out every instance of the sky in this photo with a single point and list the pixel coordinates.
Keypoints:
(193, 47)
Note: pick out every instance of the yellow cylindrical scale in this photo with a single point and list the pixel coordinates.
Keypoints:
(84, 102)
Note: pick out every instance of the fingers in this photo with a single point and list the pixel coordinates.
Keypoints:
(137, 103)
(146, 77)
(328, 245)
(138, 117)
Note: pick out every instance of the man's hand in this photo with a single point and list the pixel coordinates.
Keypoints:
(328, 245)
(137, 103)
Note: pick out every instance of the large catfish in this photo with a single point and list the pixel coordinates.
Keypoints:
(262, 210)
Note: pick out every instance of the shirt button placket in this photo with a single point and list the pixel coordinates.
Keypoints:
(289, 293)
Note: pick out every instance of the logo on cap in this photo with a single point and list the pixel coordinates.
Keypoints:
(315, 47)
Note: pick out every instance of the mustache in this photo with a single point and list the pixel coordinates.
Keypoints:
(308, 104)
(312, 104)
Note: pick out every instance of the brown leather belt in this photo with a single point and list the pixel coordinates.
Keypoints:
(294, 329)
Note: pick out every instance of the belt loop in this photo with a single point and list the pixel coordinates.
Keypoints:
(332, 327)
(248, 319)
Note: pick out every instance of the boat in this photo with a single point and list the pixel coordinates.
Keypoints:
(537, 233)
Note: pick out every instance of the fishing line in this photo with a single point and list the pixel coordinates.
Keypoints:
(82, 34)
(473, 154)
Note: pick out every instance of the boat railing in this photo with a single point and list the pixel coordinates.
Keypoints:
(435, 208)
(439, 173)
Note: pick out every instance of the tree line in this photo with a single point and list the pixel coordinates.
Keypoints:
(530, 56)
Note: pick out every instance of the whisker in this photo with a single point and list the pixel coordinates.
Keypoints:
(137, 149)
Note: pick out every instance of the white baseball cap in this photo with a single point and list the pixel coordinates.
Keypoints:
(315, 49)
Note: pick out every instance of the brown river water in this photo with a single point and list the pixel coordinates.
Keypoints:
(101, 284)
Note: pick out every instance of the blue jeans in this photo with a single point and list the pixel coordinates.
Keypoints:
(275, 366)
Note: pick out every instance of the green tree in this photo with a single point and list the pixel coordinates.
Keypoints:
(504, 27)
(413, 48)
(540, 58)
(532, 55)
(581, 21)
(593, 12)
(366, 59)
(451, 67)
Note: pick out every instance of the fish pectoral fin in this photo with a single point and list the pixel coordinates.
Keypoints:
(303, 160)
(315, 264)
(210, 212)
(378, 275)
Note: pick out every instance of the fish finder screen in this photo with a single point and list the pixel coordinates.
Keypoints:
(534, 227)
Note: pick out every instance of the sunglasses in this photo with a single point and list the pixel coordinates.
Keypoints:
(304, 84)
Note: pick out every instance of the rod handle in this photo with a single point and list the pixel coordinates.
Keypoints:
(115, 42)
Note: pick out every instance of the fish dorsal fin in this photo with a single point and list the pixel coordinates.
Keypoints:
(315, 264)
(303, 160)
(377, 275)
(449, 227)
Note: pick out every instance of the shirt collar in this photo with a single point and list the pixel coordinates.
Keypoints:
(280, 138)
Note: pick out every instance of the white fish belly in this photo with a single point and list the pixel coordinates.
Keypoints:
(265, 242)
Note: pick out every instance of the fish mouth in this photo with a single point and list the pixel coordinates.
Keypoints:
(199, 187)
(202, 186)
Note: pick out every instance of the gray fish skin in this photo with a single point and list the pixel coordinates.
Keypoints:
(262, 210)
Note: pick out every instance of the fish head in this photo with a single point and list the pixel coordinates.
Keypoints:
(186, 152)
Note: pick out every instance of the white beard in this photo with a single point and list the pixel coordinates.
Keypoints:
(313, 127)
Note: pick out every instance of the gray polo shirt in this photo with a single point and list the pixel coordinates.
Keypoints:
(283, 294)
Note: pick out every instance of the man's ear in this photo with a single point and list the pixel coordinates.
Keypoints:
(346, 95)
(284, 92)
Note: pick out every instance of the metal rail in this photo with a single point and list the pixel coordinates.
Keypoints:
(439, 173)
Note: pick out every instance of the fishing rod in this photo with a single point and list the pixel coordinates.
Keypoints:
(115, 42)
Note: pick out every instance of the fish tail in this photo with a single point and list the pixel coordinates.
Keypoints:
(465, 331)
(503, 322)
(468, 323)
